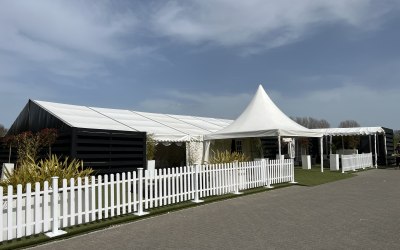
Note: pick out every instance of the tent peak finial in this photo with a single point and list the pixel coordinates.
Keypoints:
(260, 88)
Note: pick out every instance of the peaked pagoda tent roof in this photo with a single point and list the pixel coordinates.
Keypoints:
(164, 127)
(262, 118)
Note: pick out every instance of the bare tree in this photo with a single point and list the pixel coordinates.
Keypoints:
(349, 124)
(310, 122)
(351, 141)
(3, 130)
(324, 124)
(396, 137)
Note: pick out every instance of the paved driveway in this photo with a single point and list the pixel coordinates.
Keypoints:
(357, 213)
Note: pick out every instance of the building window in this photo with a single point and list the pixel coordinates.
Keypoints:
(239, 146)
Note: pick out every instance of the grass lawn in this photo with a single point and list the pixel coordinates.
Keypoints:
(303, 177)
(314, 176)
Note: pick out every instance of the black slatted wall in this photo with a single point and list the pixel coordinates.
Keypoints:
(105, 151)
(108, 151)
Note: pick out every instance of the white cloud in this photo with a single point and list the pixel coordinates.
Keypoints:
(63, 37)
(14, 96)
(368, 106)
(201, 104)
(260, 24)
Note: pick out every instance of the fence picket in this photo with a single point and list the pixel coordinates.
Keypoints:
(156, 188)
(146, 189)
(28, 211)
(173, 185)
(86, 198)
(181, 192)
(64, 205)
(217, 179)
(112, 194)
(118, 193)
(134, 185)
(79, 190)
(225, 175)
(106, 194)
(123, 193)
(93, 197)
(46, 206)
(129, 192)
(72, 202)
(168, 180)
(37, 207)
(19, 210)
(160, 186)
(99, 198)
(150, 183)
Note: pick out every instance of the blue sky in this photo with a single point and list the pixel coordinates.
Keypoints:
(333, 60)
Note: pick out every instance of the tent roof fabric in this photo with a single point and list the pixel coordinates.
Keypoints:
(164, 127)
(351, 131)
(262, 118)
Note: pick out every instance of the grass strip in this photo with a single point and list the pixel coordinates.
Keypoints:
(314, 176)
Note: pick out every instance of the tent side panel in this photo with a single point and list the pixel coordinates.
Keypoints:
(386, 159)
(109, 151)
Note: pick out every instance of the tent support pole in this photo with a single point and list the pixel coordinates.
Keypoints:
(330, 144)
(187, 147)
(342, 143)
(279, 147)
(326, 144)
(322, 153)
(376, 154)
(370, 144)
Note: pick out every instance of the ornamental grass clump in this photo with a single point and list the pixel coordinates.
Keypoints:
(227, 157)
(30, 171)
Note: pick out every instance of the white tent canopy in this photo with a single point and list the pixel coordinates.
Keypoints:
(164, 127)
(351, 131)
(358, 131)
(262, 118)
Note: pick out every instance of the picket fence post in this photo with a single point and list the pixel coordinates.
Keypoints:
(196, 184)
(55, 231)
(140, 211)
(291, 169)
(267, 175)
(342, 164)
(237, 177)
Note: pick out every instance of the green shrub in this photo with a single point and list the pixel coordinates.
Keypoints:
(150, 147)
(30, 171)
(30, 144)
(227, 157)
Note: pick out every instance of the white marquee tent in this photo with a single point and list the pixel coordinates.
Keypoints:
(350, 131)
(164, 127)
(358, 131)
(262, 118)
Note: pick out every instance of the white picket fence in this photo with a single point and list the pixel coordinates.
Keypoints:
(50, 208)
(356, 161)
